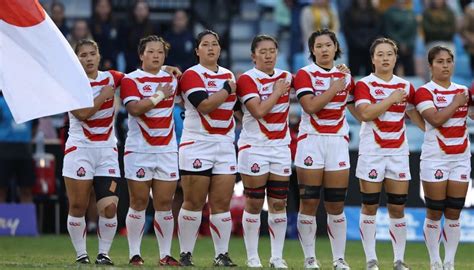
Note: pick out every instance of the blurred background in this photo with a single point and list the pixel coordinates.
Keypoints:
(117, 26)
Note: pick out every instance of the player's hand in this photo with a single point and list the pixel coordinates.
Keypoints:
(167, 89)
(398, 96)
(337, 85)
(460, 99)
(281, 87)
(343, 68)
(174, 71)
(108, 91)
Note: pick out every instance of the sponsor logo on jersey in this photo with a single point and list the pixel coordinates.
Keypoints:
(255, 168)
(441, 99)
(141, 173)
(211, 84)
(342, 164)
(438, 174)
(308, 161)
(373, 174)
(379, 92)
(232, 168)
(173, 174)
(111, 171)
(147, 88)
(81, 172)
(197, 164)
(402, 175)
(319, 82)
(286, 170)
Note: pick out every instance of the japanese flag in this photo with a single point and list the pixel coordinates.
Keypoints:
(39, 72)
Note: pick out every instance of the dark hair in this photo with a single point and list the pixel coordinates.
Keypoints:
(322, 32)
(259, 38)
(84, 42)
(382, 41)
(436, 50)
(152, 38)
(201, 35)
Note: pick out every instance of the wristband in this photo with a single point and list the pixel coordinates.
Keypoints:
(227, 87)
(159, 96)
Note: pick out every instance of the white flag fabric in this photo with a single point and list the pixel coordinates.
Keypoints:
(39, 73)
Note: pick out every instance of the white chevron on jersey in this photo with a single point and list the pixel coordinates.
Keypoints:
(98, 130)
(331, 120)
(385, 135)
(217, 125)
(153, 131)
(450, 141)
(272, 129)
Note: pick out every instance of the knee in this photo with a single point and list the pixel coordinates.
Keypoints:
(253, 206)
(277, 205)
(219, 205)
(110, 210)
(162, 204)
(309, 206)
(396, 211)
(77, 209)
(139, 203)
(453, 207)
(193, 204)
(107, 207)
(370, 203)
(433, 214)
(334, 208)
(369, 209)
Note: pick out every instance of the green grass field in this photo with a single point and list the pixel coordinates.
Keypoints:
(56, 252)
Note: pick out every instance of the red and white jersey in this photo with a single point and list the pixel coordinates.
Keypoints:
(217, 125)
(450, 141)
(331, 120)
(153, 131)
(98, 130)
(272, 129)
(385, 135)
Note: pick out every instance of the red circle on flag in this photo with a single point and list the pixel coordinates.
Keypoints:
(22, 13)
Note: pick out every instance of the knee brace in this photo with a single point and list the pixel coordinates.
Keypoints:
(370, 198)
(105, 186)
(335, 194)
(397, 199)
(105, 202)
(454, 203)
(277, 189)
(255, 193)
(437, 205)
(308, 192)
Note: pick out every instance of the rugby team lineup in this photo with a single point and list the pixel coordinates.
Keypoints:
(206, 161)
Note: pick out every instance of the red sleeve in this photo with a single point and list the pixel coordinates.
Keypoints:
(362, 91)
(190, 80)
(302, 80)
(129, 89)
(118, 76)
(245, 86)
(421, 95)
(411, 95)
